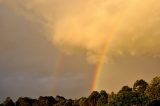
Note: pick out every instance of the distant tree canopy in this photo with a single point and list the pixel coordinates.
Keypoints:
(153, 89)
(8, 102)
(142, 94)
(125, 89)
(140, 86)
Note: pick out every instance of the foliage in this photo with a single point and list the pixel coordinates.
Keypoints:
(154, 103)
(153, 89)
(83, 101)
(140, 86)
(125, 89)
(92, 99)
(142, 94)
(8, 102)
(103, 99)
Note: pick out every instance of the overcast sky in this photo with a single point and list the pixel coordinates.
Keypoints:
(43, 51)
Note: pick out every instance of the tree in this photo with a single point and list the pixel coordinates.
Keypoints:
(83, 101)
(61, 101)
(104, 94)
(125, 89)
(101, 101)
(8, 102)
(76, 102)
(111, 96)
(153, 89)
(46, 101)
(103, 98)
(123, 98)
(140, 86)
(60, 98)
(25, 101)
(127, 97)
(68, 102)
(93, 98)
(154, 103)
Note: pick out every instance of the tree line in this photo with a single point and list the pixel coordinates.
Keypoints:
(140, 94)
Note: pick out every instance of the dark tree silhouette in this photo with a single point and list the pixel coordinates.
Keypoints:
(142, 94)
(153, 89)
(8, 102)
(140, 86)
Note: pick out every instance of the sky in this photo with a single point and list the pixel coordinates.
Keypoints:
(53, 47)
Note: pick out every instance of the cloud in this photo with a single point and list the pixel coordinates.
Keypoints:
(32, 66)
(80, 28)
(87, 25)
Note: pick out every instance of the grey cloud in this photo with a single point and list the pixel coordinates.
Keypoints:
(28, 61)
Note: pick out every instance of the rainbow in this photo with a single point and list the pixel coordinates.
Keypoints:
(99, 66)
(57, 72)
(105, 48)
